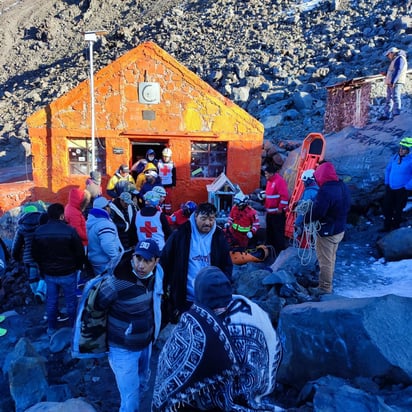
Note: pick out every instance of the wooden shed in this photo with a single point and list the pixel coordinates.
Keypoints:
(145, 99)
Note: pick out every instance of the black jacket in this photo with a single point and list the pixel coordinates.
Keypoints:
(124, 219)
(22, 240)
(57, 248)
(175, 263)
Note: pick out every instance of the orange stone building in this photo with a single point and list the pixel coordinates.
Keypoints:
(145, 99)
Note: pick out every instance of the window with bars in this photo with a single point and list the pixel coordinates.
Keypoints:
(80, 156)
(208, 159)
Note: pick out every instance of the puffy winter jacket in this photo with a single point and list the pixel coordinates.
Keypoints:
(104, 248)
(73, 212)
(27, 224)
(57, 248)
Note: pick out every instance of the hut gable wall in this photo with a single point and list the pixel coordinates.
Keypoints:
(189, 110)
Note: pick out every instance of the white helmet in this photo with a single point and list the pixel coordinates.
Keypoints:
(240, 199)
(151, 198)
(160, 190)
(308, 175)
(167, 152)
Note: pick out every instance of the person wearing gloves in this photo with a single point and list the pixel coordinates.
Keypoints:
(395, 79)
(132, 295)
(398, 180)
(243, 222)
(104, 249)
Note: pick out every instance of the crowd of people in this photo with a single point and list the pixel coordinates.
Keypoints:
(158, 267)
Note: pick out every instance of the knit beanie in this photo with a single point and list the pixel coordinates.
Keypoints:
(212, 288)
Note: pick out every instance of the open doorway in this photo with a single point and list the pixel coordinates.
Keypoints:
(139, 150)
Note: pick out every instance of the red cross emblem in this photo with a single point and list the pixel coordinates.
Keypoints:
(148, 229)
(164, 170)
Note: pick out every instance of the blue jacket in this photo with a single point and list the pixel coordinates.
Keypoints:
(398, 175)
(104, 249)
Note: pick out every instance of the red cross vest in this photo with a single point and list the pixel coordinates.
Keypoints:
(165, 172)
(150, 227)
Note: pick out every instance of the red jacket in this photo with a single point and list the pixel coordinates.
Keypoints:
(277, 195)
(73, 213)
(177, 218)
(244, 220)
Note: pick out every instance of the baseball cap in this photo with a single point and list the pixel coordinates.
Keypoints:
(100, 202)
(392, 50)
(124, 168)
(126, 197)
(30, 209)
(147, 249)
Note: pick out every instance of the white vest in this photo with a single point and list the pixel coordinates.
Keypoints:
(165, 172)
(150, 227)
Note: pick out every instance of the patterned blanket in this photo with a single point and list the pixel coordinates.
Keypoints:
(227, 364)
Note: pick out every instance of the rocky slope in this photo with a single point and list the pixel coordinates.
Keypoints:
(258, 53)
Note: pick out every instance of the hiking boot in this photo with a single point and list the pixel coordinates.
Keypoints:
(318, 292)
(39, 297)
(61, 317)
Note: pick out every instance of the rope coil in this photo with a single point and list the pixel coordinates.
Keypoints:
(309, 232)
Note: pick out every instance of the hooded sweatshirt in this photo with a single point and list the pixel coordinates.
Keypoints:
(199, 255)
(73, 212)
(332, 203)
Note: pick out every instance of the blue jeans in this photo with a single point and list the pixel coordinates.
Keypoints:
(68, 283)
(132, 372)
(394, 99)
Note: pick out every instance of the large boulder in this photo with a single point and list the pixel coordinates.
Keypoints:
(396, 245)
(27, 376)
(367, 337)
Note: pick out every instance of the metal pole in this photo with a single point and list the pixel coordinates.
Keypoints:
(92, 105)
(91, 37)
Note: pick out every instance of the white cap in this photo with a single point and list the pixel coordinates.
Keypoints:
(392, 50)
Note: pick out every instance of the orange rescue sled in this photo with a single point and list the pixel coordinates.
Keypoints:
(311, 153)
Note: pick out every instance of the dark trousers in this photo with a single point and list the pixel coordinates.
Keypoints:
(275, 231)
(393, 204)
